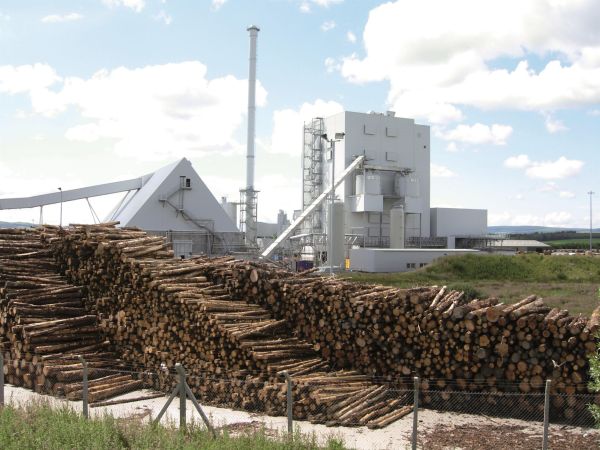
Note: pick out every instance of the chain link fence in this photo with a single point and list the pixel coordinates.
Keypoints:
(376, 416)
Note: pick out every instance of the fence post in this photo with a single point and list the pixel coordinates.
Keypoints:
(415, 413)
(84, 392)
(546, 414)
(290, 404)
(1, 379)
(182, 396)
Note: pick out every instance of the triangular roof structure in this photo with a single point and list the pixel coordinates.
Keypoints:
(174, 198)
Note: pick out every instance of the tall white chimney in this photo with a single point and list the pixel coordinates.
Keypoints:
(250, 193)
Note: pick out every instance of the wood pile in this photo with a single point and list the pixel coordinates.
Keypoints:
(451, 343)
(158, 311)
(351, 348)
(44, 326)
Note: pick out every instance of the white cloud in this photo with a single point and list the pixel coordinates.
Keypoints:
(552, 170)
(438, 171)
(498, 218)
(566, 194)
(326, 3)
(551, 219)
(153, 112)
(331, 65)
(27, 78)
(55, 18)
(288, 124)
(545, 170)
(328, 25)
(452, 147)
(276, 192)
(553, 125)
(550, 186)
(594, 112)
(217, 4)
(135, 5)
(305, 7)
(351, 37)
(517, 162)
(479, 134)
(450, 63)
(162, 16)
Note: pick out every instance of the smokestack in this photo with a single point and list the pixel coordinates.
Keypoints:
(250, 193)
(253, 30)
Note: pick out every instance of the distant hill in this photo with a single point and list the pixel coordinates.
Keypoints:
(530, 229)
(15, 225)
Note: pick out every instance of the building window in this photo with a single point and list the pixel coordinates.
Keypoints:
(422, 264)
(411, 265)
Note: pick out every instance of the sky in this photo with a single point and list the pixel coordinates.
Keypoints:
(93, 91)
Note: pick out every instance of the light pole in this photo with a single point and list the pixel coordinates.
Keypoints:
(590, 193)
(61, 202)
(338, 137)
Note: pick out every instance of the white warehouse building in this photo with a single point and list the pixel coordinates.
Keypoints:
(386, 200)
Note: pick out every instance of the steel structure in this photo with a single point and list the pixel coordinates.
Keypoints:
(249, 194)
(311, 208)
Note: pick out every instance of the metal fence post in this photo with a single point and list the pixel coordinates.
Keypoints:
(546, 414)
(415, 413)
(1, 378)
(182, 396)
(290, 404)
(84, 392)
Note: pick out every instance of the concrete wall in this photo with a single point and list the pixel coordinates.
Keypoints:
(396, 260)
(458, 222)
(390, 142)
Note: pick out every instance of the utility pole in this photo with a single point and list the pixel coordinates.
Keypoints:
(61, 202)
(590, 193)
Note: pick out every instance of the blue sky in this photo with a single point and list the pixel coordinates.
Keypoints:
(100, 90)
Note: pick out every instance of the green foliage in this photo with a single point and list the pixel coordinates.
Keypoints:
(594, 361)
(37, 426)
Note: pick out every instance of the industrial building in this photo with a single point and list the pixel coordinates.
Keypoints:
(383, 202)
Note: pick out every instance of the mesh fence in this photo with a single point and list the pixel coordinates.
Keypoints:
(364, 414)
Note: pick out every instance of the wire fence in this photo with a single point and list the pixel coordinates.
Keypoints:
(404, 414)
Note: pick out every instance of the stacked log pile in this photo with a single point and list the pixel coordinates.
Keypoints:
(238, 326)
(159, 311)
(451, 343)
(44, 326)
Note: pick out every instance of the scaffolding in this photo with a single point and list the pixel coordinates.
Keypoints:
(248, 215)
(312, 173)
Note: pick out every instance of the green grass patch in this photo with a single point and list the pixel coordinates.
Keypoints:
(566, 281)
(575, 244)
(37, 426)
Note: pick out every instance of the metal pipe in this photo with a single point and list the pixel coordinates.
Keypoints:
(331, 200)
(415, 413)
(546, 415)
(253, 30)
(84, 392)
(590, 194)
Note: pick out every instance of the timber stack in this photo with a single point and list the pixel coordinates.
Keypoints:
(44, 326)
(351, 348)
(159, 311)
(451, 343)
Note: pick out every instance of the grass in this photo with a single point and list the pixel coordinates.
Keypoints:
(569, 282)
(583, 243)
(37, 426)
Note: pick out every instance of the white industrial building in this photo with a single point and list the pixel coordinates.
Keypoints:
(172, 201)
(383, 201)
